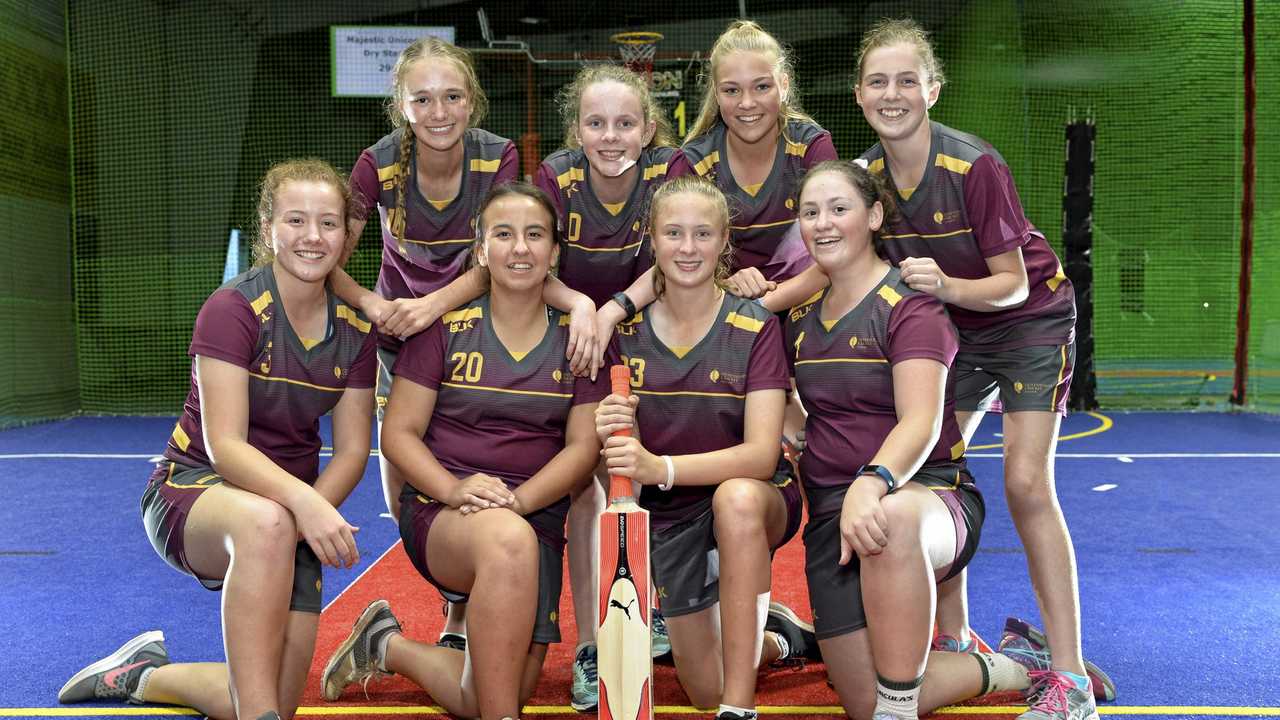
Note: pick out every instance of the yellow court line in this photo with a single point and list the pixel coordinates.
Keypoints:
(341, 710)
(1105, 425)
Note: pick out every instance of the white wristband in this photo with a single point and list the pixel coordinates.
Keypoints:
(671, 474)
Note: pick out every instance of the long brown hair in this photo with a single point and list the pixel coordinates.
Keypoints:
(748, 36)
(423, 49)
(868, 185)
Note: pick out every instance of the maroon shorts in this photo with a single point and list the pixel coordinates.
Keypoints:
(171, 492)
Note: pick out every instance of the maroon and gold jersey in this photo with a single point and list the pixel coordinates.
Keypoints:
(966, 210)
(844, 374)
(693, 400)
(290, 386)
(495, 413)
(607, 248)
(436, 242)
(763, 218)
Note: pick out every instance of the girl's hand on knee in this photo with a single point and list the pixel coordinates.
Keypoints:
(326, 532)
(863, 527)
(481, 492)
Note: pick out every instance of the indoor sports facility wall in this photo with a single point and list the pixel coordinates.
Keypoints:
(38, 374)
(178, 108)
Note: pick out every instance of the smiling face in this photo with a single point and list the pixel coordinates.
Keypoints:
(688, 239)
(307, 229)
(435, 102)
(518, 245)
(895, 92)
(749, 93)
(611, 127)
(835, 222)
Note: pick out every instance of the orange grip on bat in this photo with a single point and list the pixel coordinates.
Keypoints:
(620, 380)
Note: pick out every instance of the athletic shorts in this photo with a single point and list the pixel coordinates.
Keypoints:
(166, 503)
(835, 592)
(1029, 378)
(386, 361)
(686, 561)
(418, 511)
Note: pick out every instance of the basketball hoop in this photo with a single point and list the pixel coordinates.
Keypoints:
(638, 49)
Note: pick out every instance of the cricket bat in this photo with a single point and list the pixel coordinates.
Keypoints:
(624, 664)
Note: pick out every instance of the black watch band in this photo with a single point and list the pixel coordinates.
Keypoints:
(883, 472)
(625, 303)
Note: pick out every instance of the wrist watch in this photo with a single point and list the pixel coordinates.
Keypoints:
(625, 303)
(883, 472)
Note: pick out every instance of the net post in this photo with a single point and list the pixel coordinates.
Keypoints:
(1077, 241)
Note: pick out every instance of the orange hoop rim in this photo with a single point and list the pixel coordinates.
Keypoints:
(636, 37)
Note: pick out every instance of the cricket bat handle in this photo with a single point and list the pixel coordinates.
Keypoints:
(620, 380)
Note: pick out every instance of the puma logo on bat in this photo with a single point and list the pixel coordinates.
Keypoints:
(624, 608)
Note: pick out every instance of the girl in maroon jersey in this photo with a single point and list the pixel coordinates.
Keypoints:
(427, 179)
(493, 431)
(708, 383)
(870, 358)
(618, 148)
(962, 236)
(272, 351)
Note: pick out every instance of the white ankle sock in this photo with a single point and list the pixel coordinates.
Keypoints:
(1001, 672)
(899, 699)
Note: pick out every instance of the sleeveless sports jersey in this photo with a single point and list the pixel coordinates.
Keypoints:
(604, 252)
(436, 242)
(697, 403)
(495, 414)
(965, 210)
(290, 387)
(765, 234)
(845, 377)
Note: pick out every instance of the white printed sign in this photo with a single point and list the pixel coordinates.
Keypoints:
(362, 55)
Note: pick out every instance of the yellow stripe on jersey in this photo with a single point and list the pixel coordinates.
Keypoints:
(387, 173)
(261, 303)
(954, 164)
(811, 299)
(614, 208)
(689, 393)
(654, 171)
(762, 225)
(906, 193)
(180, 438)
(704, 166)
(346, 313)
(842, 360)
(291, 381)
(680, 350)
(518, 355)
(797, 149)
(584, 248)
(568, 177)
(440, 242)
(961, 231)
(890, 295)
(876, 166)
(539, 393)
(957, 450)
(743, 322)
(308, 343)
(471, 313)
(485, 166)
(828, 324)
(752, 189)
(1056, 280)
(439, 204)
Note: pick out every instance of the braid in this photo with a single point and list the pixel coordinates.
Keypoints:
(402, 177)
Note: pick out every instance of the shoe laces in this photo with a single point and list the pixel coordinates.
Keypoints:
(587, 661)
(658, 624)
(1050, 692)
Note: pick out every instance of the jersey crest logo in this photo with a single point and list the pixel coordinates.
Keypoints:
(853, 341)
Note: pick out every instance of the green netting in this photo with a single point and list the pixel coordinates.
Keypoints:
(37, 339)
(1264, 330)
(180, 107)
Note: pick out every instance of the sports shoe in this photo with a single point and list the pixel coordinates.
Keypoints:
(356, 659)
(947, 643)
(1027, 645)
(1058, 698)
(453, 641)
(731, 715)
(115, 676)
(660, 642)
(586, 683)
(798, 634)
